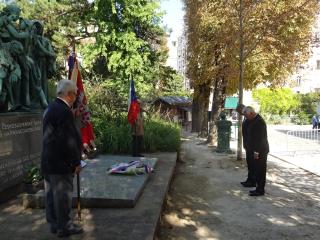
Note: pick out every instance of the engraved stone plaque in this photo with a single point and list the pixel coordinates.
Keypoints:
(20, 145)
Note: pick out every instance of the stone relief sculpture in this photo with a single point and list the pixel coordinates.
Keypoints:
(24, 75)
(10, 73)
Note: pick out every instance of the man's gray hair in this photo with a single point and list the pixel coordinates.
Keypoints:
(249, 109)
(65, 86)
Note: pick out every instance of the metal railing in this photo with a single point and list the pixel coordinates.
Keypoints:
(303, 141)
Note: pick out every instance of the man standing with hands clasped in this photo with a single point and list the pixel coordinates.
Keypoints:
(60, 159)
(258, 146)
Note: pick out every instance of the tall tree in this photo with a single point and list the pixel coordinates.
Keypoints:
(199, 67)
(257, 41)
(118, 39)
(129, 40)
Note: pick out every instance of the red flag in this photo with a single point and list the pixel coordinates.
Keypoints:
(134, 107)
(81, 103)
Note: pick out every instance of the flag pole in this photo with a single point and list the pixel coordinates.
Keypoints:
(78, 198)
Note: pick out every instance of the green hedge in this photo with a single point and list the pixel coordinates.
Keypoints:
(114, 134)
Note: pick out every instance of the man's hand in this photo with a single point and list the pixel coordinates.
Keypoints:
(255, 155)
(78, 169)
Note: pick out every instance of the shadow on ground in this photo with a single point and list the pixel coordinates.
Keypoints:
(206, 200)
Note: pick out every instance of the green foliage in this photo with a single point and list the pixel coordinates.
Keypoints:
(33, 175)
(276, 119)
(307, 108)
(161, 135)
(128, 43)
(277, 105)
(170, 83)
(301, 118)
(117, 39)
(114, 134)
(276, 101)
(63, 21)
(52, 86)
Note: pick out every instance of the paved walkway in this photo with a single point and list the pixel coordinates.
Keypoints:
(303, 153)
(207, 202)
(138, 223)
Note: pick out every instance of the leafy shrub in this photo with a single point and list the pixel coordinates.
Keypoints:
(276, 101)
(161, 135)
(114, 134)
(301, 118)
(307, 108)
(33, 175)
(277, 105)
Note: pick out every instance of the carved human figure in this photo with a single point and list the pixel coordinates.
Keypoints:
(11, 13)
(36, 62)
(31, 73)
(44, 56)
(10, 75)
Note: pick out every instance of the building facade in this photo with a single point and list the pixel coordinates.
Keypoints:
(307, 78)
(182, 60)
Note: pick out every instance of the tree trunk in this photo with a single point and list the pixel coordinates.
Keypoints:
(204, 118)
(195, 114)
(200, 109)
(241, 59)
(218, 100)
(203, 109)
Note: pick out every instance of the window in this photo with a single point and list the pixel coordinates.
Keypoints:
(299, 80)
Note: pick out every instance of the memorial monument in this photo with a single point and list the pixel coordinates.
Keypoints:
(27, 60)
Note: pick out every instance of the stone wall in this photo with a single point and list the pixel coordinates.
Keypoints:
(20, 146)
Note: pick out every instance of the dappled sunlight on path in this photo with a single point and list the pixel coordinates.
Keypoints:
(206, 200)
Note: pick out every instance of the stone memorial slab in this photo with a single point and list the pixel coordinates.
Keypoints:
(99, 189)
(20, 146)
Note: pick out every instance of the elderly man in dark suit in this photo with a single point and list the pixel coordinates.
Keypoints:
(250, 181)
(60, 159)
(258, 146)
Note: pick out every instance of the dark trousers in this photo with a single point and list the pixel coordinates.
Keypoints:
(58, 191)
(136, 145)
(250, 164)
(260, 167)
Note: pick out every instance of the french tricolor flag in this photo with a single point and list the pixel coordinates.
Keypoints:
(133, 105)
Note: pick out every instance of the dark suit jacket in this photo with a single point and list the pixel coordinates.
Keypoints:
(61, 151)
(245, 125)
(257, 136)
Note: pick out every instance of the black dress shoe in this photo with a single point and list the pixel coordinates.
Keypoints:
(248, 184)
(74, 229)
(244, 182)
(256, 193)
